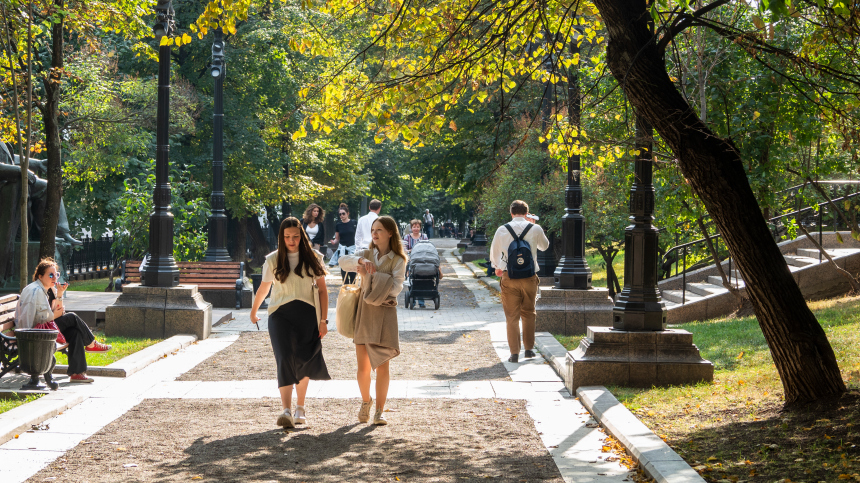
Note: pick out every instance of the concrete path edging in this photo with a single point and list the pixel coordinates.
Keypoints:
(655, 457)
(132, 363)
(479, 272)
(21, 419)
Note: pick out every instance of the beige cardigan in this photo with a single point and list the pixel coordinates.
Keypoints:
(376, 317)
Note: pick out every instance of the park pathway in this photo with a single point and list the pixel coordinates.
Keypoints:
(457, 411)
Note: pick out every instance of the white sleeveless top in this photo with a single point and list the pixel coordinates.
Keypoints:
(293, 288)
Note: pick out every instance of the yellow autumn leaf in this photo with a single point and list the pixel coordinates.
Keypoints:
(186, 39)
(756, 115)
(164, 40)
(452, 125)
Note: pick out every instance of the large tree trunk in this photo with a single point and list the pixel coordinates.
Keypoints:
(800, 349)
(261, 245)
(50, 115)
(242, 236)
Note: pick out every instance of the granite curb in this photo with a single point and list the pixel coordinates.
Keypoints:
(132, 363)
(20, 419)
(480, 273)
(655, 457)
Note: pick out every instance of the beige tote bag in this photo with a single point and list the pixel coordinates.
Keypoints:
(347, 306)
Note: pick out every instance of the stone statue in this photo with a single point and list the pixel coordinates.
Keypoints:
(10, 193)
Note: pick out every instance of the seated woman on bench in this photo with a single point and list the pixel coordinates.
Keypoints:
(38, 304)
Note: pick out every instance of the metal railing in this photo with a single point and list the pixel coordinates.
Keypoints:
(680, 252)
(93, 255)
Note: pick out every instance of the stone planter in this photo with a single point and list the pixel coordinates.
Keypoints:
(36, 349)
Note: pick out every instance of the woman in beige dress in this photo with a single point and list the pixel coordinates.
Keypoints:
(382, 268)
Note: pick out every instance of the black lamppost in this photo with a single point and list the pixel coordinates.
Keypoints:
(161, 269)
(639, 306)
(572, 271)
(217, 250)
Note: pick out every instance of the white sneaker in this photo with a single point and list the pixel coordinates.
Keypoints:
(364, 412)
(286, 419)
(379, 418)
(300, 415)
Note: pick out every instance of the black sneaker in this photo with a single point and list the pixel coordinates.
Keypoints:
(514, 358)
(530, 354)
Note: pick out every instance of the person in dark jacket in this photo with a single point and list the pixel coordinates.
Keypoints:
(312, 222)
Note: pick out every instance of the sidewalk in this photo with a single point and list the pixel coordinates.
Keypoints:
(174, 422)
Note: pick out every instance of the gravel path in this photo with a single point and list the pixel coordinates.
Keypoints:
(428, 440)
(463, 356)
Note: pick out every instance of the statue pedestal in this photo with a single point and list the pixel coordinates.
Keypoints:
(607, 357)
(475, 252)
(159, 312)
(570, 312)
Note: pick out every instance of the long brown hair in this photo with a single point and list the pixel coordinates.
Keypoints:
(309, 215)
(391, 227)
(308, 262)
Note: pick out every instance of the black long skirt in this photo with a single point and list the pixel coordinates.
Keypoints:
(295, 336)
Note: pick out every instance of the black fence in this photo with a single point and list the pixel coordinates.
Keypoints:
(93, 255)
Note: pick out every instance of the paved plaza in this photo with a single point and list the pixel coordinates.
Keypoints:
(457, 411)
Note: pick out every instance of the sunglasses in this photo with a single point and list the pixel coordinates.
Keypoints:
(341, 213)
(51, 276)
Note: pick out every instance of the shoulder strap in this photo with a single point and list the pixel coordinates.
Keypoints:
(526, 230)
(511, 231)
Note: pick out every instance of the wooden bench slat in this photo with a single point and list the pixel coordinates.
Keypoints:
(12, 297)
(7, 325)
(10, 307)
(7, 317)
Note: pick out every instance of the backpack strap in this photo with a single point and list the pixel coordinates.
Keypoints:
(526, 230)
(511, 231)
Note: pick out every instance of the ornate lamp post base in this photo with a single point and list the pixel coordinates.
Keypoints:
(570, 312)
(159, 312)
(636, 359)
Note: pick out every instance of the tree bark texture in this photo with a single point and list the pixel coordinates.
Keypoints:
(803, 356)
(53, 148)
(261, 246)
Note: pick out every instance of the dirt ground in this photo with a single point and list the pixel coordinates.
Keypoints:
(459, 355)
(428, 440)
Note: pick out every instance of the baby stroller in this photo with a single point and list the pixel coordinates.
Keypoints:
(422, 274)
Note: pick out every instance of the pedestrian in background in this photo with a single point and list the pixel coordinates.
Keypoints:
(518, 290)
(297, 323)
(382, 268)
(428, 223)
(362, 231)
(344, 238)
(312, 222)
(414, 236)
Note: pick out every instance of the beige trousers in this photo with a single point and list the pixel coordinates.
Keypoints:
(518, 301)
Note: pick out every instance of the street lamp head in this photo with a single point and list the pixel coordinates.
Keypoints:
(217, 69)
(160, 30)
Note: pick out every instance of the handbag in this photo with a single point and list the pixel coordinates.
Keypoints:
(347, 306)
(51, 325)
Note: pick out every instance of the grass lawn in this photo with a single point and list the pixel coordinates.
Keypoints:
(93, 285)
(735, 429)
(598, 270)
(14, 402)
(479, 261)
(122, 346)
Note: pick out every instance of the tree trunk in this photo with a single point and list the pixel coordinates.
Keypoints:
(804, 359)
(241, 246)
(261, 245)
(612, 283)
(50, 117)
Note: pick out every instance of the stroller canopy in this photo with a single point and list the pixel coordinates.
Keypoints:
(425, 252)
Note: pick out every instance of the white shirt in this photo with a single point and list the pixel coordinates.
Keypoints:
(312, 232)
(362, 231)
(349, 263)
(502, 239)
(428, 218)
(33, 307)
(293, 288)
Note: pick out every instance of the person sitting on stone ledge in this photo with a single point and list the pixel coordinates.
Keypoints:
(39, 304)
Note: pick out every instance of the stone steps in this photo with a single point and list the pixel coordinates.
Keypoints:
(705, 296)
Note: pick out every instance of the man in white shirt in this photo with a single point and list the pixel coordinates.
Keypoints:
(428, 223)
(362, 230)
(518, 295)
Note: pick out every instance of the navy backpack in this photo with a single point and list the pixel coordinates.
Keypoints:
(520, 261)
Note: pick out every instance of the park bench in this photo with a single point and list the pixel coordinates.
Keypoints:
(8, 343)
(216, 281)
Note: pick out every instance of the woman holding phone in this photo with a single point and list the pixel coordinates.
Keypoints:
(297, 316)
(39, 304)
(382, 268)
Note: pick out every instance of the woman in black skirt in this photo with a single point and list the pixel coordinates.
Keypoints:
(297, 316)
